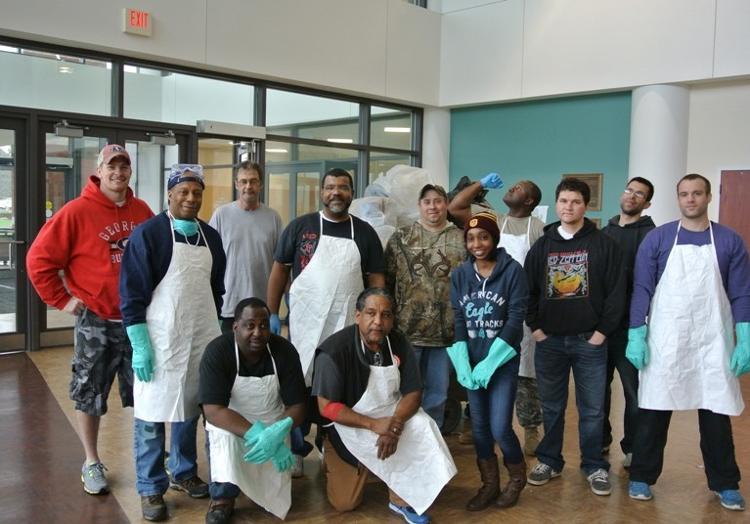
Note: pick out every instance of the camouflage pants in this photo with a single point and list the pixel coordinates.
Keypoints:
(102, 350)
(528, 408)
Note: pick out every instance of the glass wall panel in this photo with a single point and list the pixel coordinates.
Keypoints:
(380, 163)
(306, 116)
(390, 128)
(217, 156)
(53, 81)
(8, 207)
(165, 96)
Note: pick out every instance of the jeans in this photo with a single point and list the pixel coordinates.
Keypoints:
(433, 367)
(151, 476)
(717, 448)
(492, 414)
(554, 358)
(616, 345)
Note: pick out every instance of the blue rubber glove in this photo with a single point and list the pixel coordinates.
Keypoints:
(491, 181)
(740, 363)
(143, 355)
(637, 349)
(500, 353)
(187, 227)
(283, 459)
(263, 446)
(253, 433)
(275, 324)
(459, 355)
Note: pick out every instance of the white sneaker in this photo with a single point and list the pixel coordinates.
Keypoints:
(298, 468)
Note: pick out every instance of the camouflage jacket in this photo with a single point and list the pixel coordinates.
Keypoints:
(418, 268)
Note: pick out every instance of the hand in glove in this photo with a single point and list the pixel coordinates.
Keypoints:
(143, 355)
(252, 434)
(491, 181)
(459, 355)
(283, 459)
(500, 353)
(263, 446)
(275, 324)
(740, 363)
(637, 349)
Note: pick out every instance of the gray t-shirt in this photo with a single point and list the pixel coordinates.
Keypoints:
(249, 239)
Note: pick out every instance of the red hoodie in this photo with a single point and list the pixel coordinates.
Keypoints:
(85, 239)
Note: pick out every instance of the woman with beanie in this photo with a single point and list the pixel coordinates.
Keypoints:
(488, 295)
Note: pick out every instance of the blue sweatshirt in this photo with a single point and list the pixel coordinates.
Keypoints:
(485, 309)
(146, 260)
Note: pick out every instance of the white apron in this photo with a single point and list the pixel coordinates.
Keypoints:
(323, 296)
(255, 398)
(422, 464)
(181, 321)
(690, 337)
(518, 246)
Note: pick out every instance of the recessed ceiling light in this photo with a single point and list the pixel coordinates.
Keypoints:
(340, 140)
(276, 150)
(66, 70)
(397, 129)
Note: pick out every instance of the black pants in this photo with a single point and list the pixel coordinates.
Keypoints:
(226, 324)
(616, 359)
(717, 448)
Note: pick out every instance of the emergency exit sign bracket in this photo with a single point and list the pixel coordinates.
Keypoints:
(136, 22)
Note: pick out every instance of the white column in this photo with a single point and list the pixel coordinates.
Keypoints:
(658, 144)
(436, 143)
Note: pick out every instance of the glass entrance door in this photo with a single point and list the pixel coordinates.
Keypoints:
(12, 234)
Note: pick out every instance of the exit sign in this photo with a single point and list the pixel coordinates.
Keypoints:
(136, 22)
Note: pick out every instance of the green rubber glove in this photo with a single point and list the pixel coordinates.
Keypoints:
(143, 354)
(459, 355)
(186, 227)
(283, 459)
(252, 434)
(740, 363)
(500, 353)
(263, 446)
(637, 349)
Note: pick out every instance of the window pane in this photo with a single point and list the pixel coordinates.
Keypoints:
(380, 163)
(164, 96)
(390, 128)
(51, 81)
(294, 114)
(217, 157)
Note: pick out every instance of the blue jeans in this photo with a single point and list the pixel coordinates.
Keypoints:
(148, 449)
(554, 358)
(433, 367)
(492, 414)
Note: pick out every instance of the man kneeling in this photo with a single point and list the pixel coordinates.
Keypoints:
(368, 385)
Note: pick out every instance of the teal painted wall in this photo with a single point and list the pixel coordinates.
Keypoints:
(541, 140)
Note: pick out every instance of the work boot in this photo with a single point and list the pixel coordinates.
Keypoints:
(153, 508)
(515, 485)
(490, 489)
(530, 440)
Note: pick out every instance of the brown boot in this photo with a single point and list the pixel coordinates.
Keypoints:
(490, 489)
(530, 440)
(515, 485)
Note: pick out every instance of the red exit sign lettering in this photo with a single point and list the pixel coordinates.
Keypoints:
(136, 22)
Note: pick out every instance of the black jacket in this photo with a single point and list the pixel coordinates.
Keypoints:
(628, 237)
(575, 286)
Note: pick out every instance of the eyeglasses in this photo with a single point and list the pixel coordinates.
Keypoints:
(631, 191)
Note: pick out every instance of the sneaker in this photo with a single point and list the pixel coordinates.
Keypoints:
(220, 513)
(298, 468)
(409, 514)
(731, 499)
(193, 486)
(627, 461)
(94, 481)
(541, 474)
(639, 491)
(153, 508)
(599, 482)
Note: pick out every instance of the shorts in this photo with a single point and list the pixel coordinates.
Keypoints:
(102, 350)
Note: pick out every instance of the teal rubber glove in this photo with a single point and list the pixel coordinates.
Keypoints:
(275, 324)
(253, 433)
(187, 227)
(263, 446)
(283, 459)
(500, 353)
(143, 355)
(491, 181)
(740, 363)
(459, 355)
(637, 349)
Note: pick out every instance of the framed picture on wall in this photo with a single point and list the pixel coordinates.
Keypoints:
(594, 181)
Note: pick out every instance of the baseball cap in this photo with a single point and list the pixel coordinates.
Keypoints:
(111, 151)
(431, 187)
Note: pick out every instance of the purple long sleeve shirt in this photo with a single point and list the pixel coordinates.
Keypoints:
(652, 259)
